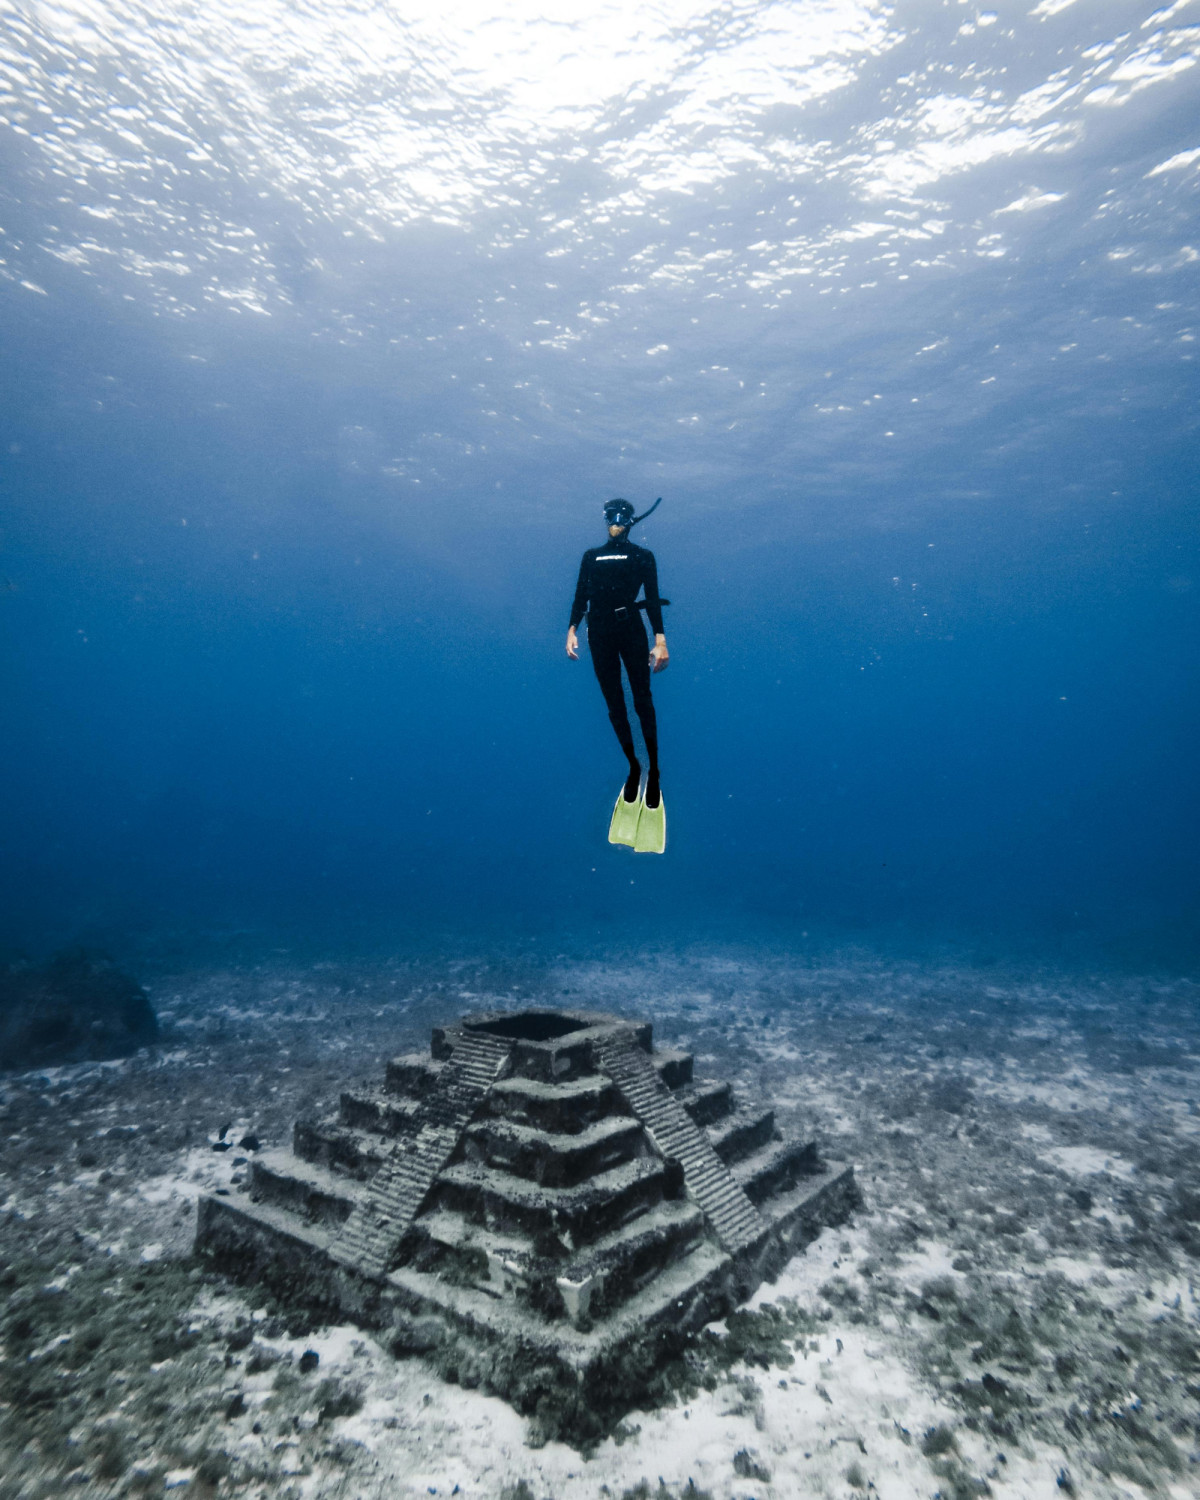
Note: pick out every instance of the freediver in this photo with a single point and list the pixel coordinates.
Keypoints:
(607, 591)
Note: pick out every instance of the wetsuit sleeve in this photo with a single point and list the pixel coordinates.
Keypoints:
(650, 583)
(579, 608)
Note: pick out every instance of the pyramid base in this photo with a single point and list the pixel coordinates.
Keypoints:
(491, 1341)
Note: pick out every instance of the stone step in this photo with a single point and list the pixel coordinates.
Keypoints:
(707, 1100)
(599, 1278)
(742, 1133)
(550, 1159)
(673, 1066)
(565, 1107)
(555, 1057)
(253, 1240)
(329, 1143)
(567, 1216)
(372, 1235)
(378, 1111)
(685, 1294)
(813, 1192)
(776, 1169)
(617, 1266)
(448, 1245)
(732, 1215)
(311, 1192)
(414, 1074)
(689, 1293)
(447, 1229)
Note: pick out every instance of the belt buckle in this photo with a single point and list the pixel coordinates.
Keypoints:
(621, 612)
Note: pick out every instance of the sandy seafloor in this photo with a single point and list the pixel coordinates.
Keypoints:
(1013, 1311)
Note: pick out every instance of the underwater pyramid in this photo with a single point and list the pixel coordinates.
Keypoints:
(542, 1205)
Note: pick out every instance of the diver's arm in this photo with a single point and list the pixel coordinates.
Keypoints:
(650, 585)
(577, 608)
(579, 604)
(659, 656)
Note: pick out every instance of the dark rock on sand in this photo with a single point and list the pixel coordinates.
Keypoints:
(78, 1007)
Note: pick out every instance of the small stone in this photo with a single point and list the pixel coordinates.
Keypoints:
(747, 1466)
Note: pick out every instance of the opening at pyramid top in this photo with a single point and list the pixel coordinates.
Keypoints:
(530, 1026)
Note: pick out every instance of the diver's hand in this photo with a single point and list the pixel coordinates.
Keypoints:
(660, 656)
(572, 644)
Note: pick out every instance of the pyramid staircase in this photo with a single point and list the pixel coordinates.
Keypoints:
(543, 1187)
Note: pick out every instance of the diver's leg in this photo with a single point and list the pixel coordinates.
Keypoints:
(635, 653)
(605, 649)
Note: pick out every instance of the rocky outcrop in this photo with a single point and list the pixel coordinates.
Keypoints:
(79, 1007)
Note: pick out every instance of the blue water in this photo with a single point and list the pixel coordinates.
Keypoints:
(327, 332)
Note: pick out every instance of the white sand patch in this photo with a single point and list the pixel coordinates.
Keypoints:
(151, 1252)
(59, 1283)
(224, 1308)
(1087, 1161)
(1064, 1094)
(806, 1431)
(336, 1346)
(1080, 1269)
(840, 1250)
(1186, 1120)
(933, 1262)
(200, 1170)
(849, 1400)
(55, 1343)
(75, 1073)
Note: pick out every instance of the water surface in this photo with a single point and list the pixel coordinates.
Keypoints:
(329, 329)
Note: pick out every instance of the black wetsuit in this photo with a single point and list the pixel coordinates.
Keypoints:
(610, 578)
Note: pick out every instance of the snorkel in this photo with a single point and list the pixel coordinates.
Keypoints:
(620, 513)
